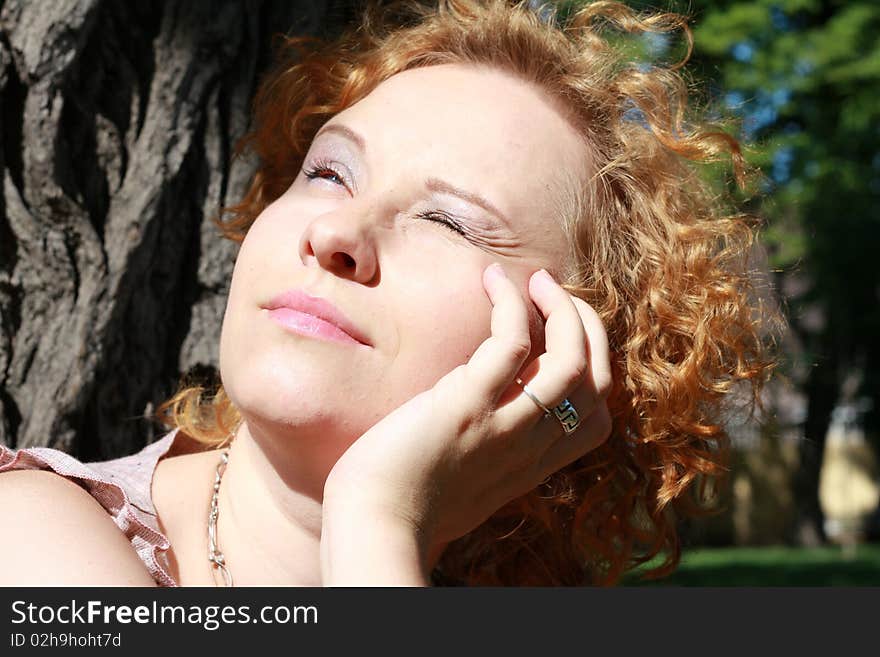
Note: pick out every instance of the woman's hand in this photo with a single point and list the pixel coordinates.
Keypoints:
(443, 462)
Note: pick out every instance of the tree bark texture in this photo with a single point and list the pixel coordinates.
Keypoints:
(117, 126)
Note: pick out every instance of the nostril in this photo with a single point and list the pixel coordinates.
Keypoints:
(342, 261)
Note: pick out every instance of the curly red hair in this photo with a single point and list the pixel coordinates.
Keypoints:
(654, 252)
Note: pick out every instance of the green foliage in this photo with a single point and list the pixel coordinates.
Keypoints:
(771, 566)
(803, 78)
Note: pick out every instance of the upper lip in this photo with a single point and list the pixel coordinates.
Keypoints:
(317, 307)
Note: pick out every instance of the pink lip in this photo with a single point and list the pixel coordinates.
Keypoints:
(314, 317)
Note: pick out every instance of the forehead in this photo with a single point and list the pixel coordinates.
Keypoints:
(482, 129)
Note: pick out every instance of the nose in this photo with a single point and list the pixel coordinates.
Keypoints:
(343, 244)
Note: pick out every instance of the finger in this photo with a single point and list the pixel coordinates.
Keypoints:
(536, 433)
(598, 352)
(557, 372)
(593, 431)
(564, 332)
(595, 376)
(497, 360)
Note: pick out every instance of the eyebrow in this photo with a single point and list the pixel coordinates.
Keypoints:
(432, 184)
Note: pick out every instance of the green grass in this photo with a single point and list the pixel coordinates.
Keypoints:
(773, 566)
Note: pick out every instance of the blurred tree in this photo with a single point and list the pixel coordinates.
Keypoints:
(804, 78)
(804, 75)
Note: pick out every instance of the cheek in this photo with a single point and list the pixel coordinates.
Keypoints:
(249, 275)
(445, 324)
(443, 319)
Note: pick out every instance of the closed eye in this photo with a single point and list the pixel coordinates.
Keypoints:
(321, 168)
(441, 218)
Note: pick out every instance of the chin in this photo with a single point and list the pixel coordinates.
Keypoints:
(297, 396)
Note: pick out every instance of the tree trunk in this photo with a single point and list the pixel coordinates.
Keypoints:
(118, 125)
(822, 390)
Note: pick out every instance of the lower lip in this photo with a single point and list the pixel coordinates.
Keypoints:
(309, 325)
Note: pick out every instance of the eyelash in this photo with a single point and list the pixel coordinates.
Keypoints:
(321, 166)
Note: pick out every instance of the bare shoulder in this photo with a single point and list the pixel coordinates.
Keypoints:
(56, 534)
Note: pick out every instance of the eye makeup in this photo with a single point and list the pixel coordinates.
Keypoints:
(320, 167)
(432, 184)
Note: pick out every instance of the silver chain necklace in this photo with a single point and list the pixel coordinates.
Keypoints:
(215, 556)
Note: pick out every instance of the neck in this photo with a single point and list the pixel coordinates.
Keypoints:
(269, 527)
(270, 502)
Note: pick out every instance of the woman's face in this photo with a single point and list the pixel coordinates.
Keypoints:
(357, 237)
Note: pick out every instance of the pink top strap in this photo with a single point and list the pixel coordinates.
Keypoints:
(122, 486)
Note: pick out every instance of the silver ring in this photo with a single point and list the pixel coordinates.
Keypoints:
(532, 396)
(565, 412)
(568, 417)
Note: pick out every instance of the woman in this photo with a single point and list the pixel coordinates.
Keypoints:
(481, 326)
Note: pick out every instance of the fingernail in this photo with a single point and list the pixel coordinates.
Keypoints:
(498, 269)
(546, 274)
